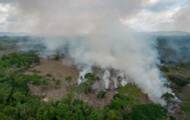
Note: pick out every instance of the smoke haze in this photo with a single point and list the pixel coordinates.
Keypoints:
(96, 36)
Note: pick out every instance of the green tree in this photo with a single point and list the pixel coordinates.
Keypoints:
(168, 97)
(147, 112)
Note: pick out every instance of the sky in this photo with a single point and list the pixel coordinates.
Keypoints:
(141, 15)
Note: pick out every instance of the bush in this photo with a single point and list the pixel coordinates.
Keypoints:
(179, 81)
(35, 79)
(164, 69)
(168, 97)
(101, 94)
(120, 101)
(85, 87)
(111, 114)
(75, 110)
(68, 78)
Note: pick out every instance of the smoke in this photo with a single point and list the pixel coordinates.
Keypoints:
(182, 18)
(95, 36)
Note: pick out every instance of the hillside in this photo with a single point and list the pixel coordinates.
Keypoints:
(34, 87)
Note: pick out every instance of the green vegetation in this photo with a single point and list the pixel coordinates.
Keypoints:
(7, 43)
(177, 80)
(68, 78)
(125, 108)
(178, 75)
(168, 97)
(86, 86)
(186, 106)
(90, 77)
(17, 103)
(121, 101)
(19, 60)
(147, 112)
(15, 99)
(178, 72)
(101, 94)
(132, 92)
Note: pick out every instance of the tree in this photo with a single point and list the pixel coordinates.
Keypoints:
(147, 112)
(168, 97)
(90, 77)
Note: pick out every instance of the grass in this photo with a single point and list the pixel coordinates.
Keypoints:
(186, 106)
(130, 90)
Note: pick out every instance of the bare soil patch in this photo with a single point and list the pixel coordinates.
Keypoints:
(57, 71)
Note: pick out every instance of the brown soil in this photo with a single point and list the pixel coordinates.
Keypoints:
(58, 70)
(92, 99)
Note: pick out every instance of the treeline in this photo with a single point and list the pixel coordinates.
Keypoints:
(16, 102)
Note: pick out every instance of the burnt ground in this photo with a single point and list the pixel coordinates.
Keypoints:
(92, 99)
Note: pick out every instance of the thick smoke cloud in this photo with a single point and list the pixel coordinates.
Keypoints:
(182, 19)
(99, 37)
(75, 17)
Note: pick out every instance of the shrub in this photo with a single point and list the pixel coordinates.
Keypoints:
(168, 97)
(164, 69)
(68, 78)
(179, 81)
(85, 87)
(90, 77)
(120, 101)
(101, 94)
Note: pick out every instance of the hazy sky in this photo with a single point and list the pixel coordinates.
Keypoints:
(147, 15)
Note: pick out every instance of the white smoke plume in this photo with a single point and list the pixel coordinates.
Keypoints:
(97, 37)
(106, 77)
